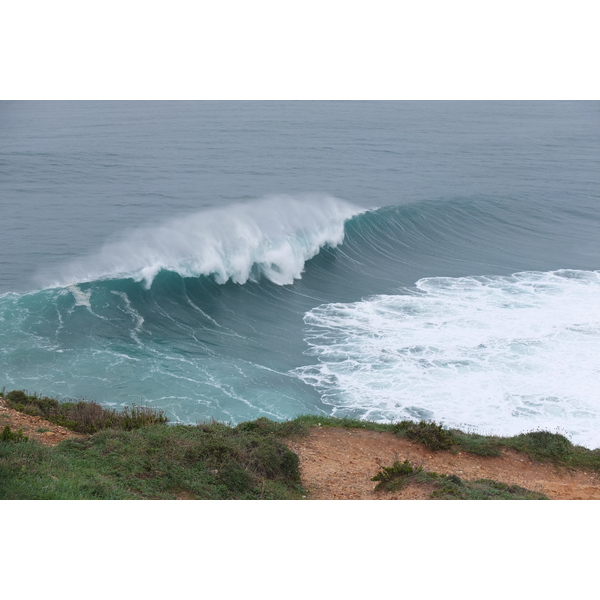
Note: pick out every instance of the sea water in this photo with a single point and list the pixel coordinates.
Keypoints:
(230, 260)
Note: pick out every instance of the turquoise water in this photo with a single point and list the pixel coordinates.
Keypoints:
(232, 260)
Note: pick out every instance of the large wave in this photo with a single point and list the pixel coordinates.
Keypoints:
(272, 237)
(502, 353)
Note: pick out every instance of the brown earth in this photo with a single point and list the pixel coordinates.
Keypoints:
(338, 464)
(34, 428)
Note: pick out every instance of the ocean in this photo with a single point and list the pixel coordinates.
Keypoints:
(380, 260)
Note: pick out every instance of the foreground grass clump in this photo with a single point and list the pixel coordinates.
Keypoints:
(450, 487)
(543, 446)
(430, 434)
(8, 435)
(395, 477)
(81, 416)
(209, 461)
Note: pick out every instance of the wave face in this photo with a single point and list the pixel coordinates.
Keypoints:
(497, 355)
(272, 238)
(198, 317)
(193, 315)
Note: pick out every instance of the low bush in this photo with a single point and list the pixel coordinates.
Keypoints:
(449, 487)
(452, 487)
(345, 422)
(283, 429)
(432, 435)
(543, 445)
(8, 435)
(480, 445)
(395, 477)
(82, 416)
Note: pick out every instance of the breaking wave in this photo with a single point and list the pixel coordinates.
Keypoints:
(272, 237)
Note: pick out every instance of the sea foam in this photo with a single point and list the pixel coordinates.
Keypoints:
(272, 237)
(495, 355)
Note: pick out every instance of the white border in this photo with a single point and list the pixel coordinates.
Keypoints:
(325, 49)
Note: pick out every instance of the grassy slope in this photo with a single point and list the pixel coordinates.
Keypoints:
(159, 461)
(144, 458)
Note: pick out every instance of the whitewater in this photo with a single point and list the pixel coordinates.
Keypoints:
(173, 254)
(272, 237)
(483, 354)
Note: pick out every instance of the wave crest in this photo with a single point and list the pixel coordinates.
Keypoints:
(271, 237)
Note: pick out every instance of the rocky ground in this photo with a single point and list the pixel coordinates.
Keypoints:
(338, 464)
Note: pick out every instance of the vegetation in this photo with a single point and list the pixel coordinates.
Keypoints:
(136, 454)
(84, 417)
(396, 477)
(434, 436)
(541, 446)
(209, 461)
(450, 487)
(10, 436)
(454, 488)
(345, 422)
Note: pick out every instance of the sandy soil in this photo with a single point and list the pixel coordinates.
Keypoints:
(338, 464)
(34, 427)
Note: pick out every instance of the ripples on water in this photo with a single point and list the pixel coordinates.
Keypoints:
(446, 269)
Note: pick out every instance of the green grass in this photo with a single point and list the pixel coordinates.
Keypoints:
(9, 436)
(347, 423)
(82, 416)
(396, 477)
(135, 454)
(540, 446)
(432, 435)
(211, 461)
(449, 487)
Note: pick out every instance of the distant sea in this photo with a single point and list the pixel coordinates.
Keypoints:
(381, 260)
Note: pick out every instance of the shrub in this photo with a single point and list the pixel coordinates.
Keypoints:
(85, 417)
(10, 436)
(543, 445)
(395, 477)
(452, 487)
(477, 444)
(434, 436)
(16, 397)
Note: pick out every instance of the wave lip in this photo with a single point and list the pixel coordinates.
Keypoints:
(271, 237)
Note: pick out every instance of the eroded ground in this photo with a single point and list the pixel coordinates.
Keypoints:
(338, 464)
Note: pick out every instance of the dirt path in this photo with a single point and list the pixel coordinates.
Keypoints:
(338, 464)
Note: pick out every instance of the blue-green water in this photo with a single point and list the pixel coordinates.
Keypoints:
(231, 260)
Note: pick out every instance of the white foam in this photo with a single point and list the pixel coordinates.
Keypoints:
(272, 237)
(81, 297)
(497, 355)
(134, 314)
